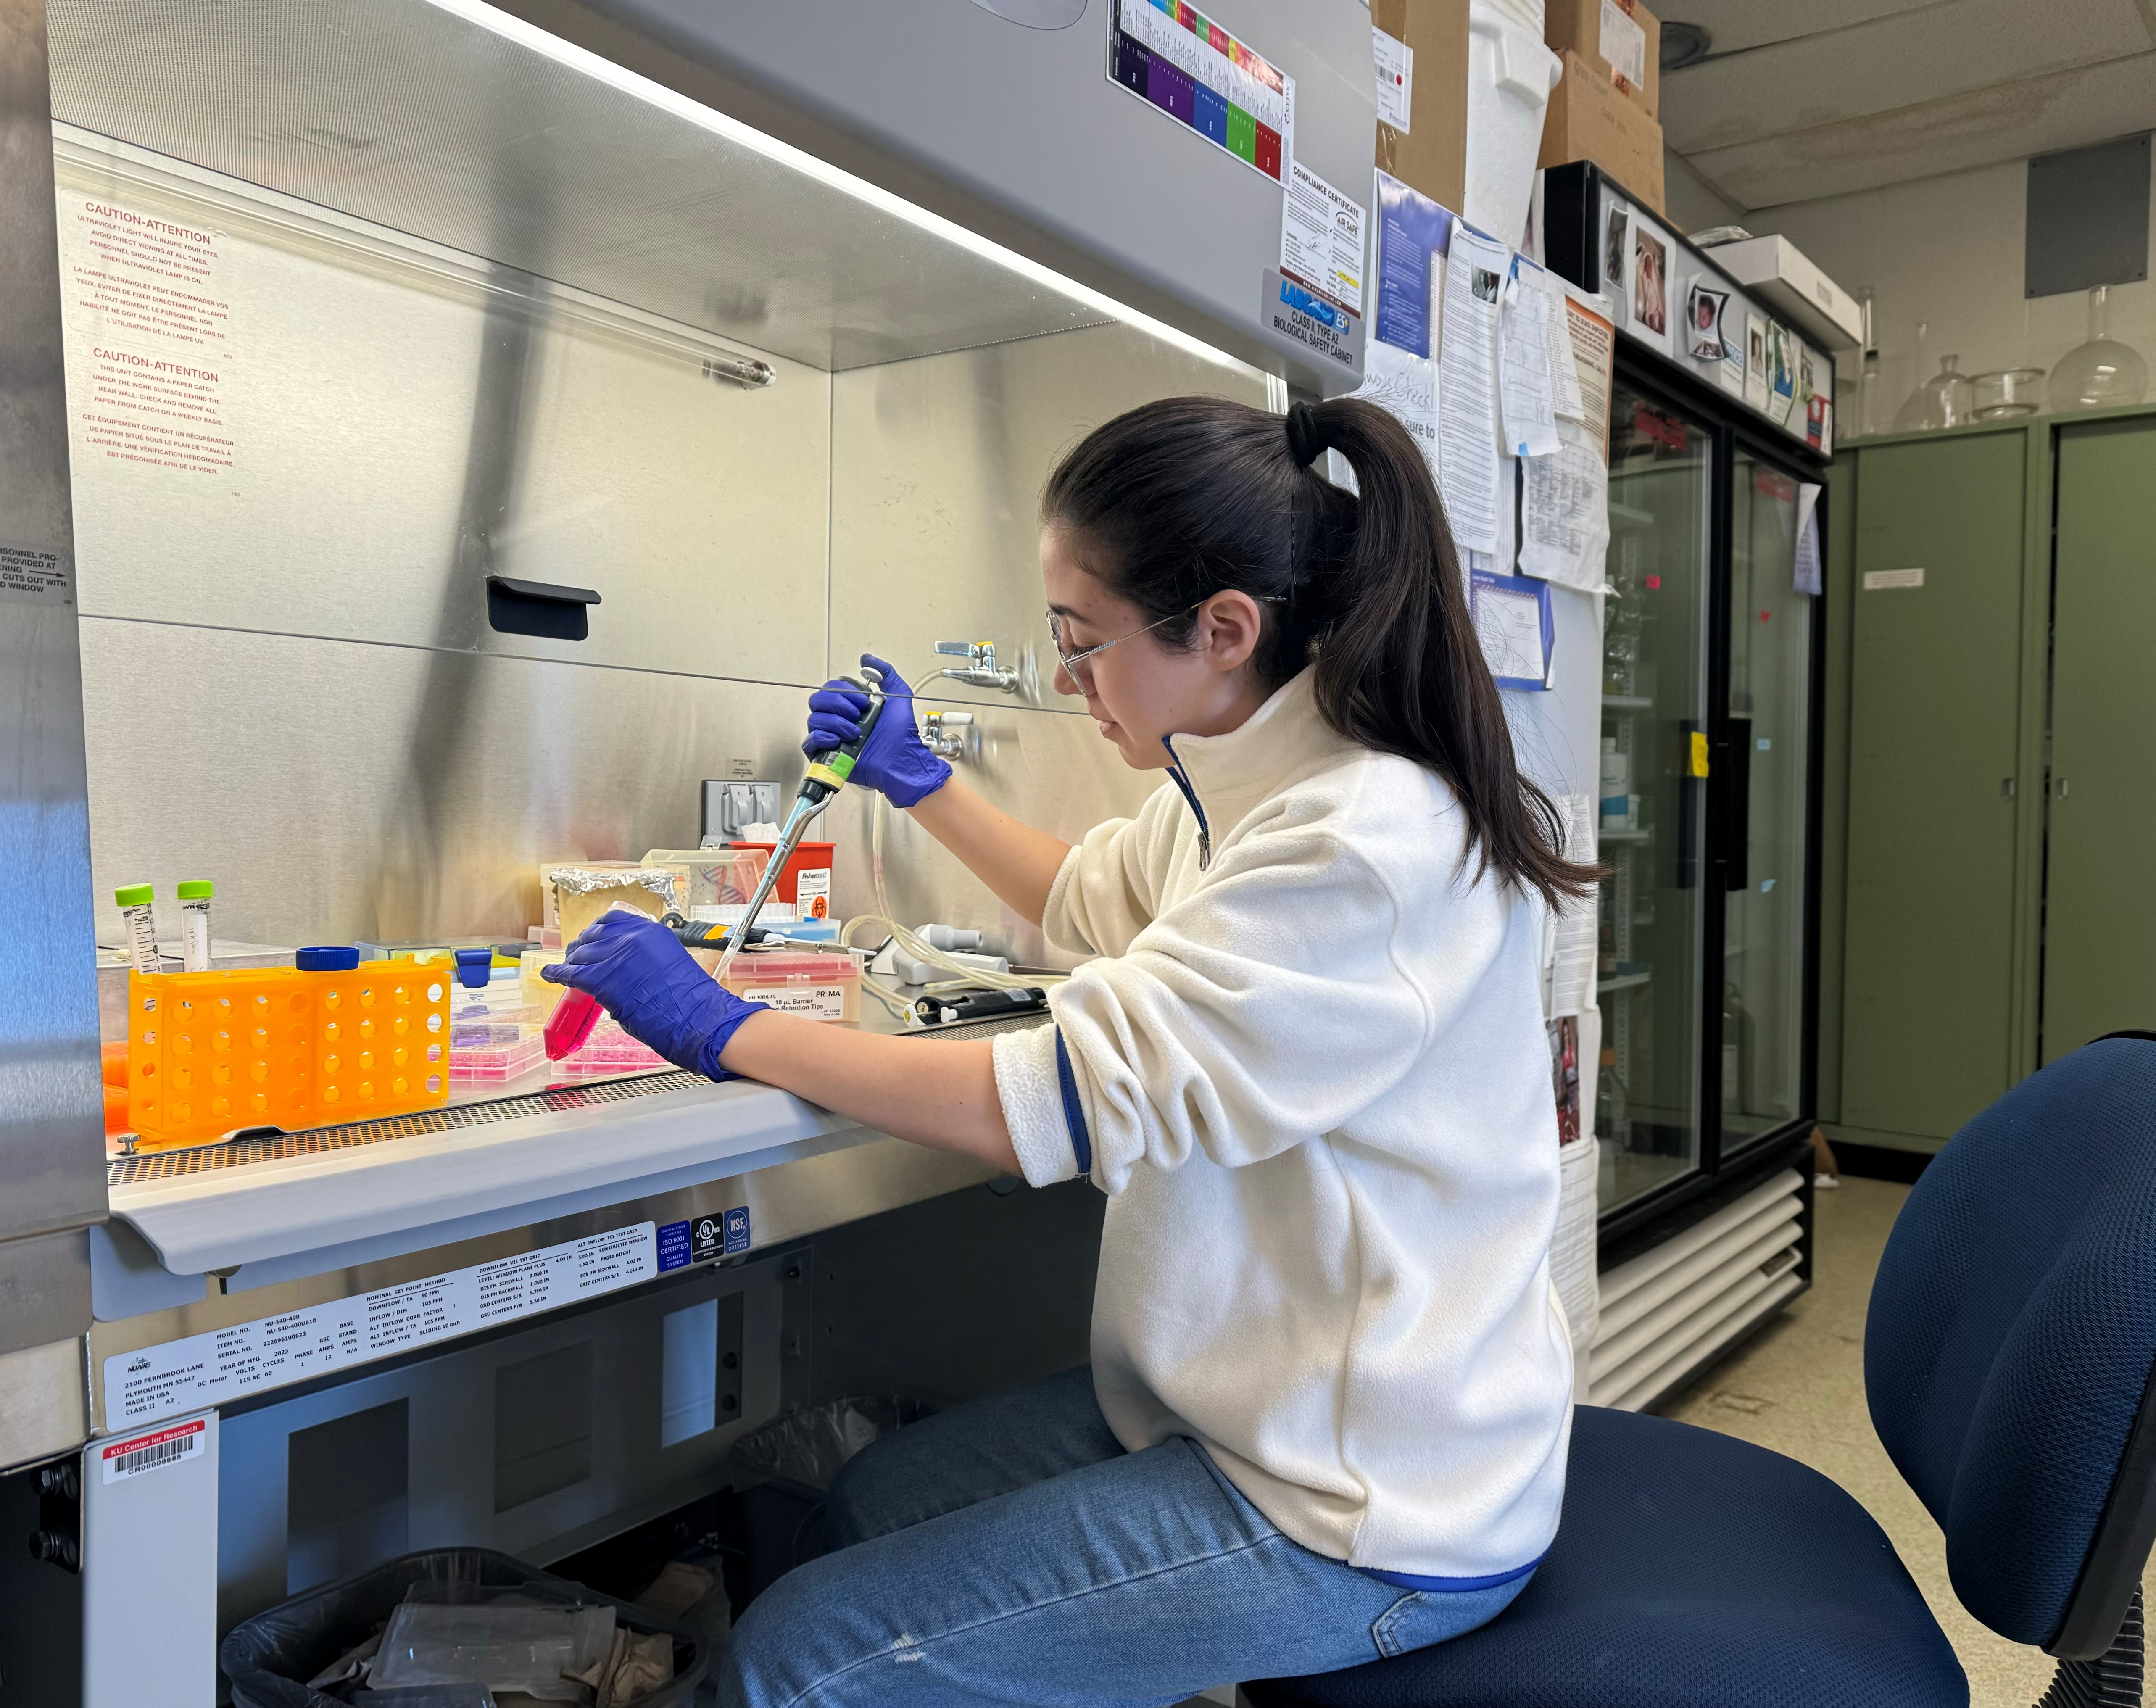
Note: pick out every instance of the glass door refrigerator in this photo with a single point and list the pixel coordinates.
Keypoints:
(1707, 919)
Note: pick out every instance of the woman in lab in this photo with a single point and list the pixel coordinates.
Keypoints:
(1327, 1415)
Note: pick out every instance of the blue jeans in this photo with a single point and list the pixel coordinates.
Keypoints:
(1011, 1552)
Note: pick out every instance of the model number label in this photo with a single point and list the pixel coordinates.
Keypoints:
(219, 1366)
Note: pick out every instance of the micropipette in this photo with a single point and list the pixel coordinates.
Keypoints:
(826, 776)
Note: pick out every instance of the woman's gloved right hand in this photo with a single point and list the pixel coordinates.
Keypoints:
(895, 762)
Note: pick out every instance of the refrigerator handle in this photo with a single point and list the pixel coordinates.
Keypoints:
(1736, 785)
(1692, 780)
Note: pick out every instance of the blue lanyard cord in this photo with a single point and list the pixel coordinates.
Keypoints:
(1190, 794)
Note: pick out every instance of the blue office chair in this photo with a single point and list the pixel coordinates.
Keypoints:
(2007, 1361)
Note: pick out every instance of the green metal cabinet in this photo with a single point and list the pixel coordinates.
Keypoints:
(1986, 808)
(2099, 973)
(1934, 630)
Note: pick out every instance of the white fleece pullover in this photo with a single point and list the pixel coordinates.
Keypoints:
(1309, 1071)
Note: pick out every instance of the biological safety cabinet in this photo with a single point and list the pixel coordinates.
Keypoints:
(1991, 710)
(435, 440)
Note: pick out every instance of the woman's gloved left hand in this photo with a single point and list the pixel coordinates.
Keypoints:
(645, 979)
(895, 762)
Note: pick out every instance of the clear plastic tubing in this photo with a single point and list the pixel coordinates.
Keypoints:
(571, 1023)
(141, 927)
(194, 925)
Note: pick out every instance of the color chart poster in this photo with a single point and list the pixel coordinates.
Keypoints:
(1172, 55)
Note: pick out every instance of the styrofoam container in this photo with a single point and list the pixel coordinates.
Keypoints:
(1510, 74)
(1781, 275)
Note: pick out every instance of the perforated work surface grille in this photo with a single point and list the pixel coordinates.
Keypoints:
(165, 1165)
(275, 1147)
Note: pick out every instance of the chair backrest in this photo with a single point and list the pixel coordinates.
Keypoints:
(2011, 1337)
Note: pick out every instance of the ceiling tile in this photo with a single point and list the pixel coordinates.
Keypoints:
(2009, 122)
(1955, 48)
(1737, 25)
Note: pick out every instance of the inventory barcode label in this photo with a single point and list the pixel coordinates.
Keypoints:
(152, 1453)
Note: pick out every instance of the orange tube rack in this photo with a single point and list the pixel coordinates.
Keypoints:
(211, 1052)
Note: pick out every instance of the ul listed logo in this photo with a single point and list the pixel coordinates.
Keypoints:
(719, 1236)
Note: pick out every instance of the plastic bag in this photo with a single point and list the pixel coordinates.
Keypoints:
(503, 1639)
(632, 1669)
(688, 1594)
(266, 1657)
(807, 1447)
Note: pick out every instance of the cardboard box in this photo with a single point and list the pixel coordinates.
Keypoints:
(1618, 38)
(1431, 153)
(1589, 119)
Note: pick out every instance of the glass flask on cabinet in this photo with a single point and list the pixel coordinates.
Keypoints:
(1944, 400)
(2102, 373)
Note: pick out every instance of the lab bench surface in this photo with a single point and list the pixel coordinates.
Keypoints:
(258, 1260)
(286, 1205)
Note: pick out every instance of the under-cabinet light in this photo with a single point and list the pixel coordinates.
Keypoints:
(604, 70)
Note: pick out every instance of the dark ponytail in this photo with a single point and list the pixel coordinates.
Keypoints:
(1191, 497)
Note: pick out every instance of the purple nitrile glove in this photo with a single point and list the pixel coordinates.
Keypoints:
(895, 762)
(643, 976)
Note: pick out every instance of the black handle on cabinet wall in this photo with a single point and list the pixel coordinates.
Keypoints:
(542, 608)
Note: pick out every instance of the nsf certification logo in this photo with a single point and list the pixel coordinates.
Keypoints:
(705, 1240)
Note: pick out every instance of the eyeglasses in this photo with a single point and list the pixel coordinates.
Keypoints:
(1072, 661)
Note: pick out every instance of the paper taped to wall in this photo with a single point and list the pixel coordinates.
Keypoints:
(1569, 957)
(1807, 578)
(1566, 397)
(1412, 231)
(1404, 386)
(1512, 620)
(1564, 512)
(1594, 339)
(1526, 381)
(1475, 272)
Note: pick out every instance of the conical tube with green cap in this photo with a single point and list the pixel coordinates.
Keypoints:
(194, 925)
(139, 926)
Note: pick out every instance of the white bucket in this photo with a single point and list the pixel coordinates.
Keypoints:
(1510, 75)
